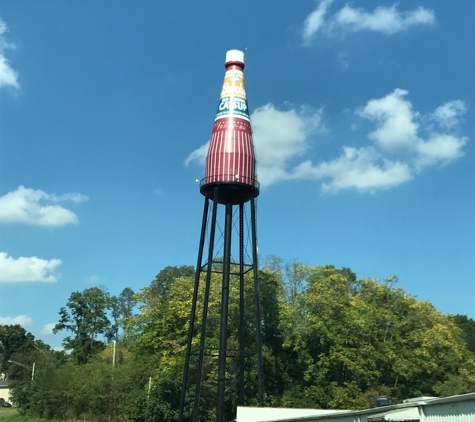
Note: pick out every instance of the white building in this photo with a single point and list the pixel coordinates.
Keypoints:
(5, 392)
(422, 409)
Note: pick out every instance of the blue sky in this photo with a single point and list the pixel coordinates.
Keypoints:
(362, 113)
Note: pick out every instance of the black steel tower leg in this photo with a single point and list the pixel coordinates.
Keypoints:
(241, 306)
(199, 374)
(223, 334)
(193, 310)
(260, 376)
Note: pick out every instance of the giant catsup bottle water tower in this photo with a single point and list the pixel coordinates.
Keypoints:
(230, 163)
(230, 181)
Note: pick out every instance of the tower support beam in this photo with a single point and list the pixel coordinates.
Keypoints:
(241, 306)
(223, 331)
(223, 265)
(204, 320)
(260, 375)
(193, 310)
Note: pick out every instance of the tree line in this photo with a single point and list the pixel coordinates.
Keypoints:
(330, 340)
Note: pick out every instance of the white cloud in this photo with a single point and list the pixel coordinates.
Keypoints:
(280, 136)
(395, 120)
(47, 329)
(400, 146)
(8, 76)
(27, 269)
(315, 20)
(363, 169)
(23, 320)
(398, 130)
(439, 149)
(447, 115)
(198, 155)
(386, 20)
(38, 208)
(93, 279)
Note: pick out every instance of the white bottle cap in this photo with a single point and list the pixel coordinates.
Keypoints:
(234, 56)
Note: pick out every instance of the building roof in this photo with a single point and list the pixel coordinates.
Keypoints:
(409, 411)
(398, 415)
(260, 414)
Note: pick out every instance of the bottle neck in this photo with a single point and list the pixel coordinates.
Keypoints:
(234, 66)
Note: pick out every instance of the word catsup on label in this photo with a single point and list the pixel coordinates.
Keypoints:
(235, 104)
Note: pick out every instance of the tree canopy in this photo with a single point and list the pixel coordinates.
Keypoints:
(330, 340)
(87, 316)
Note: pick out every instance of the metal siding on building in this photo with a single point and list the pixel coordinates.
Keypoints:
(459, 411)
(459, 408)
(352, 418)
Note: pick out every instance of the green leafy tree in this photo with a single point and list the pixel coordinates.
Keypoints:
(467, 325)
(121, 309)
(85, 317)
(161, 327)
(330, 340)
(160, 286)
(363, 337)
(14, 340)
